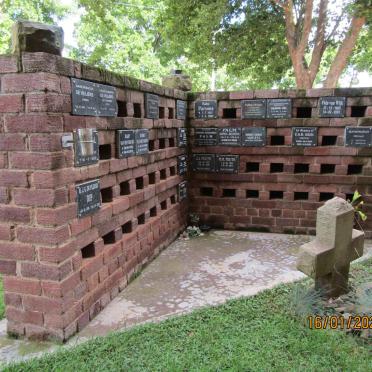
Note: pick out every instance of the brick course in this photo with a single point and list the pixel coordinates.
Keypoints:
(59, 270)
(285, 185)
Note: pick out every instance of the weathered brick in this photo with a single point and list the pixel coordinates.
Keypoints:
(42, 235)
(45, 272)
(13, 299)
(4, 195)
(43, 304)
(7, 267)
(34, 123)
(56, 216)
(11, 103)
(12, 142)
(17, 251)
(31, 317)
(6, 232)
(8, 64)
(21, 83)
(45, 142)
(30, 160)
(14, 214)
(48, 102)
(22, 285)
(39, 197)
(33, 62)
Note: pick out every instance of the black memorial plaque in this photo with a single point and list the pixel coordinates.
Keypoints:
(304, 137)
(182, 190)
(84, 97)
(125, 143)
(86, 152)
(181, 109)
(227, 163)
(280, 108)
(358, 136)
(332, 107)
(142, 141)
(253, 109)
(206, 109)
(92, 99)
(203, 162)
(88, 198)
(229, 136)
(182, 164)
(206, 136)
(182, 137)
(152, 106)
(107, 104)
(254, 137)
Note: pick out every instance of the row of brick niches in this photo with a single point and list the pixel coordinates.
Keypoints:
(77, 216)
(277, 171)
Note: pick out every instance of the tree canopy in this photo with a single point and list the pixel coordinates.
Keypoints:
(46, 11)
(226, 44)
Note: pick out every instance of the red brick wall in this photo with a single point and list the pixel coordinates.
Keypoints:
(51, 289)
(256, 204)
(60, 271)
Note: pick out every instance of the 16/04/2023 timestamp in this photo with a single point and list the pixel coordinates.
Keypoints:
(334, 322)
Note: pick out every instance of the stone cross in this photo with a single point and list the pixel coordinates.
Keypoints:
(327, 258)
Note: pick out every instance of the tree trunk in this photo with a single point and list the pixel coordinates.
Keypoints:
(344, 52)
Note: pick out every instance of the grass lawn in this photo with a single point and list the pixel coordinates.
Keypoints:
(259, 333)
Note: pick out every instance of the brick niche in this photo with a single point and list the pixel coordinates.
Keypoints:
(59, 270)
(278, 187)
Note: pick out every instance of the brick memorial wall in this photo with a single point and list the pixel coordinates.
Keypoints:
(98, 173)
(266, 160)
(88, 187)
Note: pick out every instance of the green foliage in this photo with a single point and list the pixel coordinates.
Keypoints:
(258, 333)
(244, 40)
(46, 11)
(120, 37)
(357, 203)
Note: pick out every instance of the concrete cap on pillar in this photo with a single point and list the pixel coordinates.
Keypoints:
(32, 37)
(177, 80)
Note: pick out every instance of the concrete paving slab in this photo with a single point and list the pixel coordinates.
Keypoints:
(189, 274)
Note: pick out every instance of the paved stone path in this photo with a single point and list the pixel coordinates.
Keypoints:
(189, 274)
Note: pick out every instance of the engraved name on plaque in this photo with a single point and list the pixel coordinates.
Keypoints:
(253, 108)
(332, 107)
(88, 198)
(151, 106)
(203, 162)
(280, 108)
(106, 100)
(304, 137)
(125, 143)
(181, 137)
(206, 136)
(142, 141)
(93, 99)
(206, 109)
(182, 190)
(227, 163)
(229, 136)
(358, 136)
(182, 164)
(254, 137)
(181, 109)
(86, 147)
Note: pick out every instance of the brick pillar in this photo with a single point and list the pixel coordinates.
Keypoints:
(60, 270)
